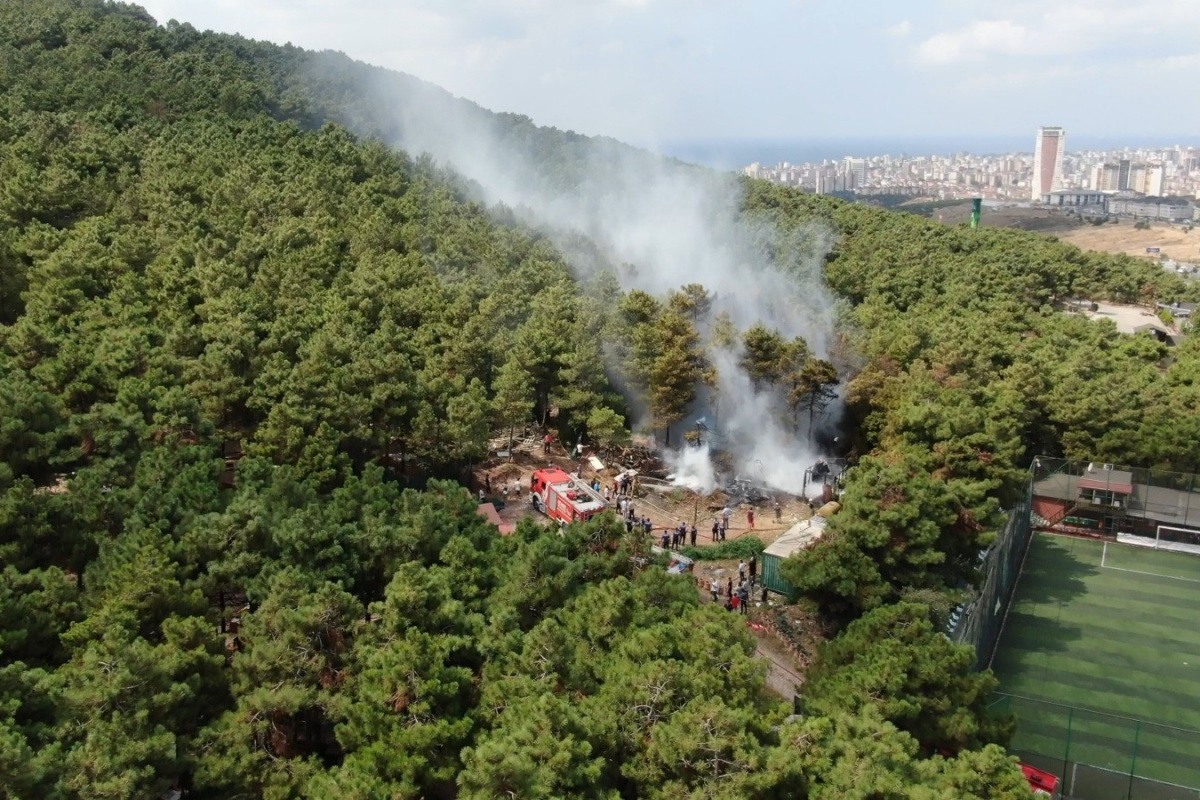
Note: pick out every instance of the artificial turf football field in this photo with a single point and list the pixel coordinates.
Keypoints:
(1109, 628)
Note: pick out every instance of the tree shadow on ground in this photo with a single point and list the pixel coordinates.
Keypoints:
(1054, 574)
(1055, 571)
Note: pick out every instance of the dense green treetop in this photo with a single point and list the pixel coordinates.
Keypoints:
(969, 370)
(194, 249)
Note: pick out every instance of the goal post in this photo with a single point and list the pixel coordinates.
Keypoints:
(1166, 535)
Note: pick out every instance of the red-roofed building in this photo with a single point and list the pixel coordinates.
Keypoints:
(1097, 499)
(488, 511)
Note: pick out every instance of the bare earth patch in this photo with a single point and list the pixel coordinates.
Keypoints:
(1124, 238)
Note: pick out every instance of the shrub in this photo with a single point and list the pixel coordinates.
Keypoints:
(742, 547)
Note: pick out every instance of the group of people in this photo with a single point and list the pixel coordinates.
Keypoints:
(736, 599)
(633, 521)
(675, 538)
(485, 491)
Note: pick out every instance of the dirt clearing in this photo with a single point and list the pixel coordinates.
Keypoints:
(1124, 238)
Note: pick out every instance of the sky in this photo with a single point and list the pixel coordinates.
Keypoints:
(652, 71)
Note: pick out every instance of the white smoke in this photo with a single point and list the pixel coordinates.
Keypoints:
(767, 449)
(692, 468)
(668, 225)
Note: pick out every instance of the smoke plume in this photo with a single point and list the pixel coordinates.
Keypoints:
(668, 224)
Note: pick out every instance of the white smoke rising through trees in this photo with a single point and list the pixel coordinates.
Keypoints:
(692, 468)
(668, 225)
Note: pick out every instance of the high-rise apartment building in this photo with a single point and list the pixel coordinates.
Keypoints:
(1137, 178)
(1124, 165)
(1110, 178)
(1048, 162)
(855, 172)
(1156, 179)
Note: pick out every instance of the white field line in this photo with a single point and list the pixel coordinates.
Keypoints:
(1149, 574)
(1104, 558)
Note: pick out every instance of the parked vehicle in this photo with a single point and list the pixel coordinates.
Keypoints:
(1043, 784)
(563, 497)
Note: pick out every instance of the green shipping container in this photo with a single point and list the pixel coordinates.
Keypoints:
(773, 580)
(799, 537)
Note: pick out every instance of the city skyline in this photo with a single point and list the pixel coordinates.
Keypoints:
(1010, 177)
(649, 71)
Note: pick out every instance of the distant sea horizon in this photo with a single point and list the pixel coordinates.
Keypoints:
(736, 153)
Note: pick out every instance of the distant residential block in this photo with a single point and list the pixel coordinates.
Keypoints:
(1076, 198)
(1171, 209)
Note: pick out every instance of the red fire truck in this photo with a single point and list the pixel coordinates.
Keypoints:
(1043, 784)
(563, 497)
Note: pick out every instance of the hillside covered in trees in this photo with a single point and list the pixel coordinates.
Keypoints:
(195, 248)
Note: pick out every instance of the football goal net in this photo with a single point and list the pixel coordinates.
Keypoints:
(1167, 537)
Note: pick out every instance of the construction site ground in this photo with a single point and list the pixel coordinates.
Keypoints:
(786, 634)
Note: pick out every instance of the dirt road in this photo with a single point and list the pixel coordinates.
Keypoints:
(782, 677)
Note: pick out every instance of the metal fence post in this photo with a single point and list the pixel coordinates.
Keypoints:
(1187, 506)
(1137, 734)
(1067, 749)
